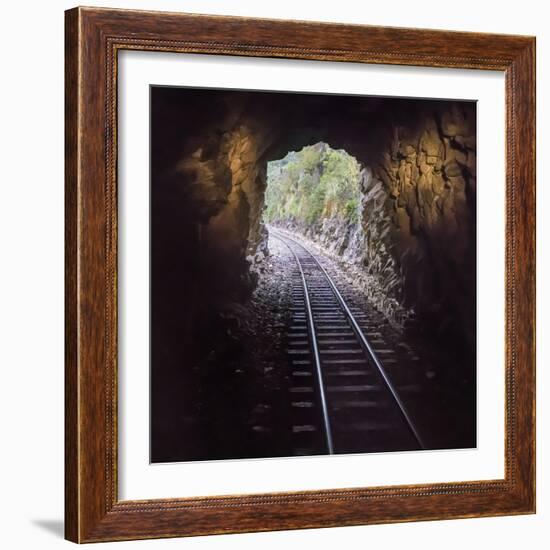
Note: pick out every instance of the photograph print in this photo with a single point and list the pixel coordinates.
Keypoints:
(313, 274)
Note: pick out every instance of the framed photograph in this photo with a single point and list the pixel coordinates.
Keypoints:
(300, 275)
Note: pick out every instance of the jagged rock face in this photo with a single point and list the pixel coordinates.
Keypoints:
(417, 239)
(429, 176)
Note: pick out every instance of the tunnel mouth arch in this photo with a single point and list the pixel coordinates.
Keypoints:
(312, 185)
(328, 196)
(321, 193)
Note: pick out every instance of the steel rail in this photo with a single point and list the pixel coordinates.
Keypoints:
(316, 355)
(357, 329)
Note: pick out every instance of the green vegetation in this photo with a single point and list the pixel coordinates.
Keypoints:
(315, 183)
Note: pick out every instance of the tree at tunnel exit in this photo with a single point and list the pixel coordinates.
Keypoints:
(315, 183)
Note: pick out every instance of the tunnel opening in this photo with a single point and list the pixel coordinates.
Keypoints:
(326, 196)
(316, 191)
(310, 186)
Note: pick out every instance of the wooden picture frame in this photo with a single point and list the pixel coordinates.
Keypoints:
(93, 39)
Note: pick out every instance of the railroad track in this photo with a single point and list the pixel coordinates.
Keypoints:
(342, 399)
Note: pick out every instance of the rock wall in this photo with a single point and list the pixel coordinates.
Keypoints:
(428, 177)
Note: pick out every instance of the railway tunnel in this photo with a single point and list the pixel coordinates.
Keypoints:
(210, 156)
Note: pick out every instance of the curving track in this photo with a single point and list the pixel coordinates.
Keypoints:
(342, 400)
